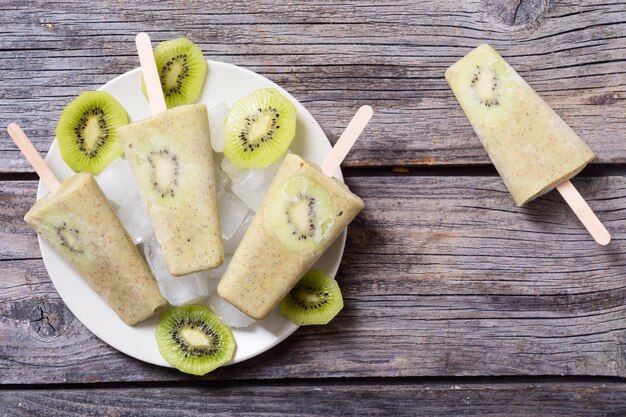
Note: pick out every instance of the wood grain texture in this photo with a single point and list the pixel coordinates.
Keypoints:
(441, 276)
(334, 57)
(327, 399)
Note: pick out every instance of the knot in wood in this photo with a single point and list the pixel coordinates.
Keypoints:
(47, 319)
(517, 13)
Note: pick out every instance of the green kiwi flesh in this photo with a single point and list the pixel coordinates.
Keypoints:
(259, 129)
(194, 340)
(86, 131)
(315, 299)
(182, 71)
(301, 214)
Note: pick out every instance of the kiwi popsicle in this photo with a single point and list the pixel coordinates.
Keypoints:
(301, 215)
(171, 159)
(79, 223)
(532, 148)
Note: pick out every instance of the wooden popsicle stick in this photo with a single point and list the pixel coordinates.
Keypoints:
(150, 73)
(584, 213)
(33, 157)
(346, 140)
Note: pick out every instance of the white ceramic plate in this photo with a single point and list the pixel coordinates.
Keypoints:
(225, 82)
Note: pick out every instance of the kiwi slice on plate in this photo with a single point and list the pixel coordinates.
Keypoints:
(259, 129)
(86, 131)
(182, 70)
(194, 340)
(302, 214)
(316, 299)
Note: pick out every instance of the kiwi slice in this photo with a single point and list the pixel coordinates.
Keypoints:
(483, 84)
(160, 167)
(87, 134)
(164, 171)
(64, 233)
(316, 299)
(259, 129)
(69, 237)
(194, 340)
(182, 70)
(302, 213)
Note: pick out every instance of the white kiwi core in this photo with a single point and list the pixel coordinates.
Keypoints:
(195, 337)
(259, 128)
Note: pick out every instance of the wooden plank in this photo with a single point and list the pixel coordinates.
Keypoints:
(441, 276)
(16, 238)
(334, 57)
(325, 399)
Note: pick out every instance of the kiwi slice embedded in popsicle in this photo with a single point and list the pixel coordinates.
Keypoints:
(182, 71)
(259, 129)
(302, 214)
(484, 85)
(315, 299)
(65, 233)
(87, 134)
(194, 340)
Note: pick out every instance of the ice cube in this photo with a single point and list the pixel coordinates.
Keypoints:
(134, 217)
(117, 181)
(232, 213)
(219, 271)
(214, 275)
(213, 282)
(217, 117)
(232, 170)
(230, 245)
(222, 180)
(252, 187)
(230, 315)
(176, 290)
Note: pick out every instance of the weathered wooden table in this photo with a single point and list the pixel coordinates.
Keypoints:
(457, 302)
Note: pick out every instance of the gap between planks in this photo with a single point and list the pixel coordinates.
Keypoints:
(439, 170)
(334, 381)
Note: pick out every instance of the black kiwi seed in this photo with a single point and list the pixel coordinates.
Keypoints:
(184, 73)
(311, 214)
(182, 70)
(320, 300)
(87, 131)
(193, 339)
(65, 241)
(315, 299)
(103, 135)
(163, 153)
(494, 77)
(189, 350)
(243, 136)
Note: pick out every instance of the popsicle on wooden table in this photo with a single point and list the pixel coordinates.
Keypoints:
(532, 148)
(302, 213)
(171, 159)
(76, 219)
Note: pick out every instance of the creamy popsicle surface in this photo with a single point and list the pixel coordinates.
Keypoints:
(301, 215)
(171, 159)
(532, 148)
(79, 223)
